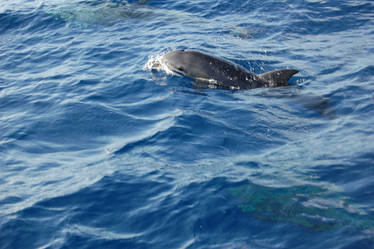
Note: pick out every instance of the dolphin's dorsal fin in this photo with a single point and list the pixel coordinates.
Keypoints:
(278, 77)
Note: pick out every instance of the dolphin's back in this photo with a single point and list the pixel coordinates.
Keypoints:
(225, 73)
(220, 72)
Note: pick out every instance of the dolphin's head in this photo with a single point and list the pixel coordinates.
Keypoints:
(185, 62)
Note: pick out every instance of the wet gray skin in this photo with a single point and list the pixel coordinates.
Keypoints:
(222, 73)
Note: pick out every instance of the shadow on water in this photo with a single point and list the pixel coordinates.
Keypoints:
(109, 12)
(311, 207)
(320, 104)
(103, 13)
(293, 95)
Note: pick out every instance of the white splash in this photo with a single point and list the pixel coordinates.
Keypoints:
(156, 62)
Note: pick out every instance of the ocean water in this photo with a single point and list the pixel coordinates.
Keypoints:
(99, 151)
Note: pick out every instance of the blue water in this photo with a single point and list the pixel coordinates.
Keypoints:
(99, 151)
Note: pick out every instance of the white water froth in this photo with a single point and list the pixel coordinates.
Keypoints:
(156, 62)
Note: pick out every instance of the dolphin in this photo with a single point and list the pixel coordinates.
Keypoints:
(222, 73)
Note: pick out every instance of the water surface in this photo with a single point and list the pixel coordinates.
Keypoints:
(97, 151)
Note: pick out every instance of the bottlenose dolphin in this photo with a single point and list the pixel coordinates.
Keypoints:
(222, 73)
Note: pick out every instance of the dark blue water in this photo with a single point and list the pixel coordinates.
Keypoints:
(98, 151)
